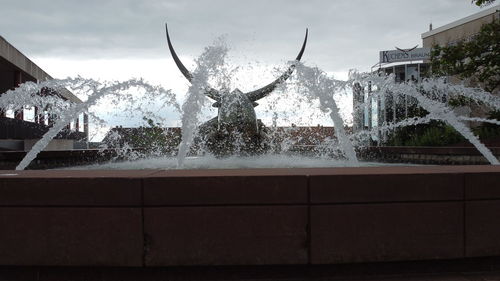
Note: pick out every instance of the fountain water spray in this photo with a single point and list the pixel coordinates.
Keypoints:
(27, 94)
(426, 94)
(208, 64)
(310, 83)
(318, 85)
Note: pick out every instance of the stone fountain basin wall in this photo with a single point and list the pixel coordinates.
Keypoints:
(248, 217)
(427, 155)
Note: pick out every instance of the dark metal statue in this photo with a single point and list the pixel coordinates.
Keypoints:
(236, 130)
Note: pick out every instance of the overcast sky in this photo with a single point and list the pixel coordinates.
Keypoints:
(343, 34)
(120, 39)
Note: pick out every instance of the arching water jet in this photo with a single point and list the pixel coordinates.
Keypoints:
(236, 129)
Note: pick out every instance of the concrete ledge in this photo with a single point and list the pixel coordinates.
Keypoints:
(58, 158)
(417, 186)
(386, 232)
(167, 188)
(251, 217)
(77, 188)
(71, 192)
(428, 150)
(71, 236)
(482, 228)
(226, 235)
(482, 186)
(427, 155)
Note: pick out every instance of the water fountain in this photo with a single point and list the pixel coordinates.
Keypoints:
(236, 130)
(140, 223)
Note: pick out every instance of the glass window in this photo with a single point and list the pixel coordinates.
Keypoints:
(412, 73)
(400, 73)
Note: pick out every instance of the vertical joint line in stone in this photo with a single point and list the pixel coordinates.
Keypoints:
(144, 242)
(308, 228)
(464, 214)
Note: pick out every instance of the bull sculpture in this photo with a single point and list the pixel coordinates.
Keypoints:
(236, 129)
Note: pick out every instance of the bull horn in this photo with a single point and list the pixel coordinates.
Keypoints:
(266, 90)
(210, 92)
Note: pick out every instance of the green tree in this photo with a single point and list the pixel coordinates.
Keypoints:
(153, 138)
(482, 3)
(477, 59)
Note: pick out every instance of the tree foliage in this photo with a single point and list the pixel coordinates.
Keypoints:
(482, 3)
(154, 138)
(436, 133)
(477, 59)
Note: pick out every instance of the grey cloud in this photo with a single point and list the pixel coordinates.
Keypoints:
(343, 34)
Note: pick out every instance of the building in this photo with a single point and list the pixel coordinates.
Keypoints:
(407, 65)
(21, 129)
(460, 30)
(411, 65)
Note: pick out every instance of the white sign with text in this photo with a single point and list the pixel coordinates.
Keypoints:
(405, 55)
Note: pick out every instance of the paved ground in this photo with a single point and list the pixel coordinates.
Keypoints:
(489, 276)
(477, 269)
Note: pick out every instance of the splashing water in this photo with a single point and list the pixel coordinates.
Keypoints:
(316, 83)
(427, 94)
(210, 63)
(27, 94)
(310, 87)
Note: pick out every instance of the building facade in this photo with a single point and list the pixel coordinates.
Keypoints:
(411, 65)
(21, 129)
(460, 30)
